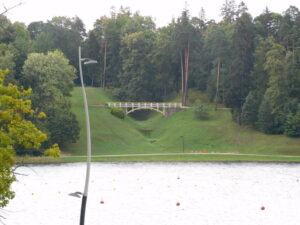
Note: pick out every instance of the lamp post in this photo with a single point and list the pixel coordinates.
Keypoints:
(88, 136)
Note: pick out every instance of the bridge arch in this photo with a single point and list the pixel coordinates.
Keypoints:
(153, 109)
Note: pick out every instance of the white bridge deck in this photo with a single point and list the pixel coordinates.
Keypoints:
(161, 107)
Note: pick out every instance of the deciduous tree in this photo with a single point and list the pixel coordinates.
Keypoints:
(15, 130)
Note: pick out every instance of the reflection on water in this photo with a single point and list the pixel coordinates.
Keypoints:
(149, 193)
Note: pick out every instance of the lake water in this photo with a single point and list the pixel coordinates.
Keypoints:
(148, 193)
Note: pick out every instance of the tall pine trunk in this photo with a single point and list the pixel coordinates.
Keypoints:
(185, 73)
(182, 76)
(187, 54)
(104, 64)
(217, 84)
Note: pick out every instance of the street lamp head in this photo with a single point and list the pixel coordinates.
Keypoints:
(90, 61)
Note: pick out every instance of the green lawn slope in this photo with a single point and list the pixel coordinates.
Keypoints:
(110, 135)
(180, 132)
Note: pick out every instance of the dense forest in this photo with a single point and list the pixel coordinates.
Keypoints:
(251, 65)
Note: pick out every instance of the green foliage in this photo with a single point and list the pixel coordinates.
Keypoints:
(54, 151)
(52, 68)
(292, 125)
(265, 121)
(277, 91)
(201, 110)
(6, 175)
(63, 126)
(7, 57)
(15, 130)
(7, 32)
(117, 112)
(239, 82)
(51, 78)
(250, 110)
(60, 32)
(136, 78)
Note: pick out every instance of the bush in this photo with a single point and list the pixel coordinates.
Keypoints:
(117, 112)
(201, 110)
(53, 152)
(292, 126)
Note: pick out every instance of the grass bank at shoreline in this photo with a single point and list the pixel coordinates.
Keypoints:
(176, 157)
(165, 139)
(178, 133)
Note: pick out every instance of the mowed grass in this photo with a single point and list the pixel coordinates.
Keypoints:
(110, 135)
(180, 132)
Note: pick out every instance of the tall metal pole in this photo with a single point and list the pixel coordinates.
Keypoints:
(88, 132)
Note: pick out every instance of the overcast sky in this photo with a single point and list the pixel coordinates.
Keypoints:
(161, 10)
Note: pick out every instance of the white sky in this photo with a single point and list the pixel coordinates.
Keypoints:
(161, 10)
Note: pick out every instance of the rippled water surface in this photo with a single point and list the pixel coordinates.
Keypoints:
(148, 193)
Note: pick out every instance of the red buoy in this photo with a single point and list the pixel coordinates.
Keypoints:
(178, 204)
(262, 208)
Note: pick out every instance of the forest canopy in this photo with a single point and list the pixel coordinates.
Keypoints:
(250, 65)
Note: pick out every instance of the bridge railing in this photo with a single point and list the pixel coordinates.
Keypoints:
(145, 105)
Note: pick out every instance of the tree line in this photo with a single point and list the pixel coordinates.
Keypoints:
(250, 65)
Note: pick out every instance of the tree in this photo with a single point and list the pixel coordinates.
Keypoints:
(277, 91)
(92, 48)
(265, 121)
(136, 82)
(228, 11)
(60, 32)
(260, 75)
(7, 59)
(184, 34)
(108, 34)
(165, 63)
(267, 24)
(241, 9)
(51, 79)
(218, 38)
(7, 32)
(250, 110)
(22, 44)
(292, 126)
(16, 130)
(239, 80)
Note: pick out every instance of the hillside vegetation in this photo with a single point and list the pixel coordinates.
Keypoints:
(175, 134)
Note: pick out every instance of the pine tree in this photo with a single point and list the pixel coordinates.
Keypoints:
(250, 110)
(239, 80)
(265, 121)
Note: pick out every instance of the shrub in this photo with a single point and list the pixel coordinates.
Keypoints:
(201, 110)
(292, 126)
(118, 112)
(54, 151)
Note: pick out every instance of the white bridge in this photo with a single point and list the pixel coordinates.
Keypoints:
(165, 108)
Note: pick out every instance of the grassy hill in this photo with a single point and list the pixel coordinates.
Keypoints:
(177, 133)
(110, 135)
